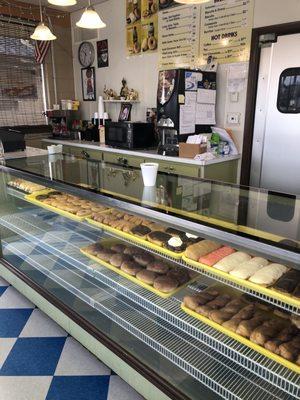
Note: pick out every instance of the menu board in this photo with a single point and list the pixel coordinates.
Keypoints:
(178, 30)
(226, 27)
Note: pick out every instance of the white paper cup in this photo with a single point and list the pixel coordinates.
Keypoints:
(149, 173)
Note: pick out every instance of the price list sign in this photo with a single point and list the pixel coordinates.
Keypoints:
(179, 37)
(226, 27)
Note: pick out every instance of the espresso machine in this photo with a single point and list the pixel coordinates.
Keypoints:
(173, 86)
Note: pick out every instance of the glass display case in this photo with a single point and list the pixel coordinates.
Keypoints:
(170, 278)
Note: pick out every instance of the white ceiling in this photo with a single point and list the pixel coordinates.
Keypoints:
(80, 4)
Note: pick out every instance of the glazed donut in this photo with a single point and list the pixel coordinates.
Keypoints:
(158, 267)
(143, 259)
(131, 267)
(118, 259)
(146, 276)
(145, 44)
(165, 284)
(152, 43)
(118, 247)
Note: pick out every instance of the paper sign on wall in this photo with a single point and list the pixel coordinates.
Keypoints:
(226, 28)
(206, 96)
(187, 119)
(205, 114)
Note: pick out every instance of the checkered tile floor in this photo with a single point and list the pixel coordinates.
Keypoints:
(39, 360)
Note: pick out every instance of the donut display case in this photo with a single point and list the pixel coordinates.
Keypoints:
(188, 290)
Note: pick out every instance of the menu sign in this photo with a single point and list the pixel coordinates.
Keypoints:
(226, 27)
(178, 37)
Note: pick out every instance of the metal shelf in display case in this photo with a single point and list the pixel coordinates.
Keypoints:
(44, 237)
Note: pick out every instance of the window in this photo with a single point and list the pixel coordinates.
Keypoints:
(288, 101)
(21, 88)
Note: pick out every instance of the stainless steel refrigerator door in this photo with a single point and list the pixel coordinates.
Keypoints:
(276, 142)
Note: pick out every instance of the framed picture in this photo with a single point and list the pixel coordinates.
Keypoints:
(102, 53)
(125, 112)
(88, 81)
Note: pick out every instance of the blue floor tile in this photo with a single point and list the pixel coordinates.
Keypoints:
(12, 321)
(78, 388)
(2, 289)
(33, 357)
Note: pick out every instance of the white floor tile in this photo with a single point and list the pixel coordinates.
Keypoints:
(24, 387)
(76, 360)
(6, 344)
(118, 389)
(40, 325)
(11, 298)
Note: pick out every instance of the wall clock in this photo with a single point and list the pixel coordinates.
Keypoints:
(86, 54)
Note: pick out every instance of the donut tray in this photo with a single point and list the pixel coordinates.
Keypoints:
(288, 364)
(269, 292)
(109, 242)
(31, 198)
(136, 239)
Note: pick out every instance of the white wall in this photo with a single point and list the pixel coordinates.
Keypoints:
(141, 71)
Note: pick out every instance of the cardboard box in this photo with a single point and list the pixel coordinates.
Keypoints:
(190, 150)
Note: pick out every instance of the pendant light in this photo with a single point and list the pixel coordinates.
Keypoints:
(63, 3)
(90, 19)
(42, 32)
(192, 1)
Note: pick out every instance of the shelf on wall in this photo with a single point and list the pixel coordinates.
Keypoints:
(122, 101)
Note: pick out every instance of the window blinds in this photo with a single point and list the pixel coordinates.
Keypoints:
(21, 88)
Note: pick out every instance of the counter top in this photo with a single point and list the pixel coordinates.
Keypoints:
(28, 152)
(140, 153)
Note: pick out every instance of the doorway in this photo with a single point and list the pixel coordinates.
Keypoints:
(272, 126)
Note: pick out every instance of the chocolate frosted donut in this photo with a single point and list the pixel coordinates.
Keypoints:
(117, 259)
(158, 237)
(158, 267)
(146, 276)
(143, 259)
(140, 230)
(131, 267)
(175, 232)
(118, 247)
(165, 284)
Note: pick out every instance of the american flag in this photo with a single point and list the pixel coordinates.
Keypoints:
(41, 50)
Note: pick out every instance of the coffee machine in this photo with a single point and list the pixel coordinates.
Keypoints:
(173, 89)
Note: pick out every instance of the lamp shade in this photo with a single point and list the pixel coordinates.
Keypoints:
(90, 19)
(63, 3)
(192, 1)
(42, 32)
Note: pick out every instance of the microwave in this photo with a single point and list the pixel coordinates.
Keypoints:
(130, 135)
